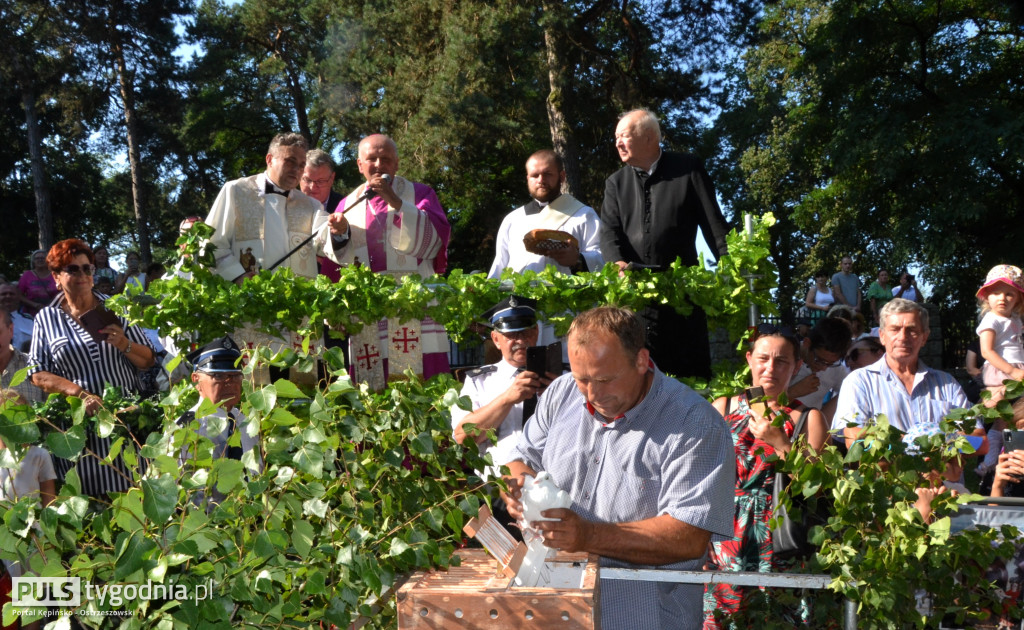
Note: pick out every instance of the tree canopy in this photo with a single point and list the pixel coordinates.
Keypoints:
(890, 131)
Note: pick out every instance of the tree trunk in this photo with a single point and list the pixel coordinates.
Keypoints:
(44, 211)
(134, 160)
(562, 139)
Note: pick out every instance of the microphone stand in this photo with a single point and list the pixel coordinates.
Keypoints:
(368, 194)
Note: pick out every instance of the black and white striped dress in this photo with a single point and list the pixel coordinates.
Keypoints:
(62, 347)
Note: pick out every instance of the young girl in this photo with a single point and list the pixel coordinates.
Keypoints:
(1002, 302)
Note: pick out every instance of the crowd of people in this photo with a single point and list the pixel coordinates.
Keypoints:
(658, 476)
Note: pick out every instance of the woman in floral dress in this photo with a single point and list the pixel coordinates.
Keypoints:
(773, 359)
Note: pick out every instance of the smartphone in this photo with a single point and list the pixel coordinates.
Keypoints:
(543, 359)
(1013, 440)
(753, 393)
(96, 319)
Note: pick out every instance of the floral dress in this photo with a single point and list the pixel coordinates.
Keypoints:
(750, 548)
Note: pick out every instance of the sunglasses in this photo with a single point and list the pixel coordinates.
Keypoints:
(772, 329)
(73, 270)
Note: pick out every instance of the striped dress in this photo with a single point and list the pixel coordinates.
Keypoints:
(62, 347)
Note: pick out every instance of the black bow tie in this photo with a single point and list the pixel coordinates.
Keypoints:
(642, 173)
(271, 189)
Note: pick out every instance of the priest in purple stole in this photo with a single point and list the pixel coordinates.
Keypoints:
(399, 229)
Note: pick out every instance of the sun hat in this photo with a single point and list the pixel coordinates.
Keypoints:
(1002, 273)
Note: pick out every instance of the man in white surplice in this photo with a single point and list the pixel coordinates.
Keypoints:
(262, 218)
(267, 212)
(398, 229)
(549, 209)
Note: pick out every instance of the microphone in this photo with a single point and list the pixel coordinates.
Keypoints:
(370, 193)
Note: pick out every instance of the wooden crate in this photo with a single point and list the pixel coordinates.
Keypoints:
(478, 594)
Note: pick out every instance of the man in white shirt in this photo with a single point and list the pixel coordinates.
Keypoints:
(912, 396)
(548, 209)
(822, 372)
(269, 215)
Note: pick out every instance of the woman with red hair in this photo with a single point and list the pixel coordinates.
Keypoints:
(79, 348)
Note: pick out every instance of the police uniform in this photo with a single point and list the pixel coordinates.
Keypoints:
(483, 385)
(486, 383)
(221, 356)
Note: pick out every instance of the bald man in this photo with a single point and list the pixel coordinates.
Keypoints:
(400, 230)
(652, 208)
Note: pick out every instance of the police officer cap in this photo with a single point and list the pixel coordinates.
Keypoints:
(220, 355)
(512, 314)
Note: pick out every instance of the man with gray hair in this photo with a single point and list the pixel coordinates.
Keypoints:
(912, 396)
(650, 215)
(267, 213)
(317, 181)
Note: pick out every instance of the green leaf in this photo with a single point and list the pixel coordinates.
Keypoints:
(159, 498)
(128, 512)
(104, 422)
(131, 554)
(302, 537)
(263, 400)
(18, 425)
(455, 520)
(66, 444)
(282, 417)
(422, 444)
(287, 389)
(228, 473)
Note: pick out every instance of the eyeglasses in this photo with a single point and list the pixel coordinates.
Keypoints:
(823, 362)
(316, 182)
(73, 270)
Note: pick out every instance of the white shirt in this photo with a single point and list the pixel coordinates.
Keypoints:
(875, 389)
(909, 294)
(1007, 342)
(485, 385)
(22, 331)
(829, 380)
(510, 252)
(35, 468)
